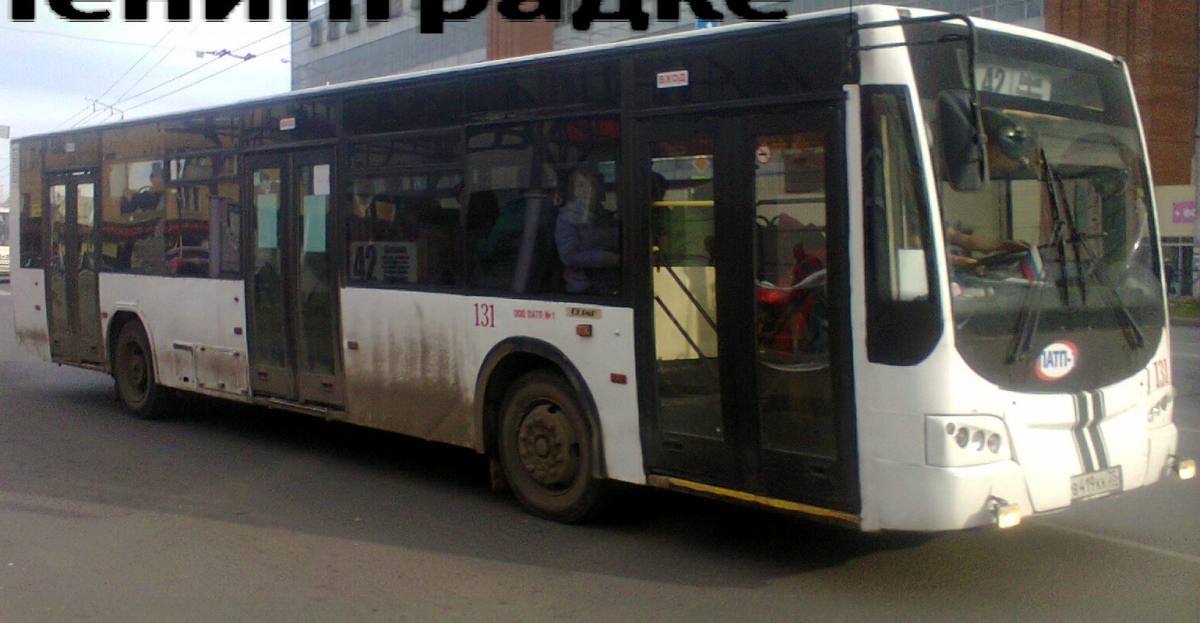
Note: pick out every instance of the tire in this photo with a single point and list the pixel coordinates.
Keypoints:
(546, 450)
(133, 370)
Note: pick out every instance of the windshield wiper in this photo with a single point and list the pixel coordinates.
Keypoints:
(1129, 325)
(1064, 219)
(1027, 324)
(1031, 308)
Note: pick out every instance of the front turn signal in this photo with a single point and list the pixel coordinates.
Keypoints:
(1185, 469)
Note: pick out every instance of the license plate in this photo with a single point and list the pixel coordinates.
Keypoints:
(1096, 484)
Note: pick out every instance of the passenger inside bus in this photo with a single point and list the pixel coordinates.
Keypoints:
(588, 237)
(794, 309)
(497, 249)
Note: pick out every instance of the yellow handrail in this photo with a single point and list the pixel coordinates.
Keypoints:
(684, 204)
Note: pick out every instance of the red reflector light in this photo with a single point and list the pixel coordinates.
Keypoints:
(619, 379)
(583, 330)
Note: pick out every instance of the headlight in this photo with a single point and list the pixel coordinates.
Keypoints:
(965, 440)
(1160, 413)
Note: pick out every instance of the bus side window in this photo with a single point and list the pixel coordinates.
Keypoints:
(516, 177)
(498, 241)
(136, 207)
(903, 317)
(500, 163)
(403, 219)
(203, 216)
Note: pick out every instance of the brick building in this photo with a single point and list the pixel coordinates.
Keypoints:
(1159, 39)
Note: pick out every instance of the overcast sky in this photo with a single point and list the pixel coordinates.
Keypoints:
(51, 67)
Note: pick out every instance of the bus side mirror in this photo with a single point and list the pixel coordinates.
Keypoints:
(962, 141)
(1010, 147)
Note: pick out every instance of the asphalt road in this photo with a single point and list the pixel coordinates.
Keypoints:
(226, 513)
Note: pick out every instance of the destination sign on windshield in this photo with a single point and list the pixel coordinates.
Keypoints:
(993, 78)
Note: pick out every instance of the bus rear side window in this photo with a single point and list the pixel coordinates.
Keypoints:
(31, 233)
(32, 210)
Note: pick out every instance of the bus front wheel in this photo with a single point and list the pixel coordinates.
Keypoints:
(133, 371)
(546, 451)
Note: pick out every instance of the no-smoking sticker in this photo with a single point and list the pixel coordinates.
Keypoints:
(762, 154)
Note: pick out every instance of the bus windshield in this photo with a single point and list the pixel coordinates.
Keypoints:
(1059, 246)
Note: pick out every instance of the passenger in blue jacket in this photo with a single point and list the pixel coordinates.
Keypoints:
(588, 237)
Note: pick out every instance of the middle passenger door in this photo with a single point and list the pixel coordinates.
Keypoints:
(291, 286)
(748, 313)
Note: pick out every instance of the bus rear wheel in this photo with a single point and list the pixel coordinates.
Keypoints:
(133, 370)
(546, 450)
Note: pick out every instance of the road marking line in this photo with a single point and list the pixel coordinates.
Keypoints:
(3, 293)
(1125, 542)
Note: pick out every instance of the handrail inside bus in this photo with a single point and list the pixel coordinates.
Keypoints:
(782, 202)
(687, 336)
(693, 203)
(692, 297)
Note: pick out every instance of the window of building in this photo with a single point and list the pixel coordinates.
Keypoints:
(356, 17)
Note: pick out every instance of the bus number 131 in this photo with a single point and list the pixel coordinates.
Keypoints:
(485, 315)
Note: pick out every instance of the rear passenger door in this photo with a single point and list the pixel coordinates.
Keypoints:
(72, 291)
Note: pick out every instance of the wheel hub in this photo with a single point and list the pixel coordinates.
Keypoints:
(137, 370)
(548, 447)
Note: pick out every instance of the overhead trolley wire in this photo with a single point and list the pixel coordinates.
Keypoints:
(212, 75)
(136, 63)
(99, 99)
(201, 66)
(89, 113)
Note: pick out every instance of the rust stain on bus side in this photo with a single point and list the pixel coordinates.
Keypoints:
(411, 385)
(34, 336)
(34, 341)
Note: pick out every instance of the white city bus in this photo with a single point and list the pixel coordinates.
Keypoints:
(888, 268)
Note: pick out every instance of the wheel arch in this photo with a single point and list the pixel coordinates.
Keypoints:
(510, 360)
(120, 318)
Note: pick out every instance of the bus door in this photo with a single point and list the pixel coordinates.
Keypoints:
(72, 292)
(291, 288)
(750, 306)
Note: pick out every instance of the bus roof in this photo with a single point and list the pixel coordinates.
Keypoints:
(866, 14)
